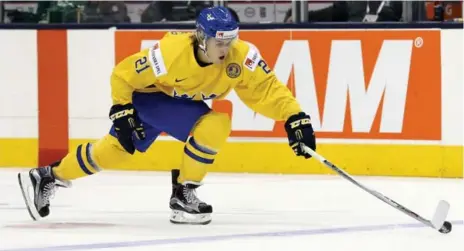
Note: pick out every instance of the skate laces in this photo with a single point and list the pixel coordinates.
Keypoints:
(48, 192)
(191, 195)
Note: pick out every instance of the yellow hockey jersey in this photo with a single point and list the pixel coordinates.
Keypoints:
(170, 67)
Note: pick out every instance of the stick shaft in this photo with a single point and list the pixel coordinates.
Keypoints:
(371, 191)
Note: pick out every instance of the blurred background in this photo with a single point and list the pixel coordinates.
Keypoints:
(245, 11)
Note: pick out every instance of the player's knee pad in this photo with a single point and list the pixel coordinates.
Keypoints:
(107, 152)
(200, 150)
(212, 130)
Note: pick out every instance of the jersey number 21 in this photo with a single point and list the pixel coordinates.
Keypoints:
(141, 65)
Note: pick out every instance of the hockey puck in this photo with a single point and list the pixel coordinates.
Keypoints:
(446, 228)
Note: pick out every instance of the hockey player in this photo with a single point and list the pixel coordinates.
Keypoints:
(162, 89)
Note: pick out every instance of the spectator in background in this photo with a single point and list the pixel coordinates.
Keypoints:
(375, 11)
(356, 11)
(16, 16)
(158, 11)
(47, 12)
(113, 12)
(337, 12)
(105, 12)
(234, 14)
(74, 12)
(443, 11)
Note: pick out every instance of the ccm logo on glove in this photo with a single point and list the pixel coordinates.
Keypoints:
(120, 114)
(126, 123)
(300, 131)
(297, 123)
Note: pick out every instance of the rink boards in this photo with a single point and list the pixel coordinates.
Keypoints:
(382, 102)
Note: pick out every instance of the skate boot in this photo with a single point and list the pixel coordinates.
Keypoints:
(38, 187)
(185, 205)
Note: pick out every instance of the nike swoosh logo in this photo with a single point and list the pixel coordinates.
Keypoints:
(180, 80)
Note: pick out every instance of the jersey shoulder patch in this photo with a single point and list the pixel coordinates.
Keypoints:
(156, 60)
(164, 54)
(252, 58)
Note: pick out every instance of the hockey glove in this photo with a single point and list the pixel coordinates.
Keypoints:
(126, 123)
(299, 130)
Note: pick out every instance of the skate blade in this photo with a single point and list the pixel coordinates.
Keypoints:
(26, 185)
(180, 217)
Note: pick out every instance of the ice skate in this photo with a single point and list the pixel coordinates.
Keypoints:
(185, 205)
(38, 187)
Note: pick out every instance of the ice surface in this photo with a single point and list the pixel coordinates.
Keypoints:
(129, 211)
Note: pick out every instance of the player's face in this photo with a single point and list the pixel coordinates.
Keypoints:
(218, 49)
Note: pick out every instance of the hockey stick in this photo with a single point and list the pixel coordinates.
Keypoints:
(438, 221)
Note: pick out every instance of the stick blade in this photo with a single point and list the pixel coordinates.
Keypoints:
(440, 214)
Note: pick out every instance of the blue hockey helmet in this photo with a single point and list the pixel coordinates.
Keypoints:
(216, 22)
